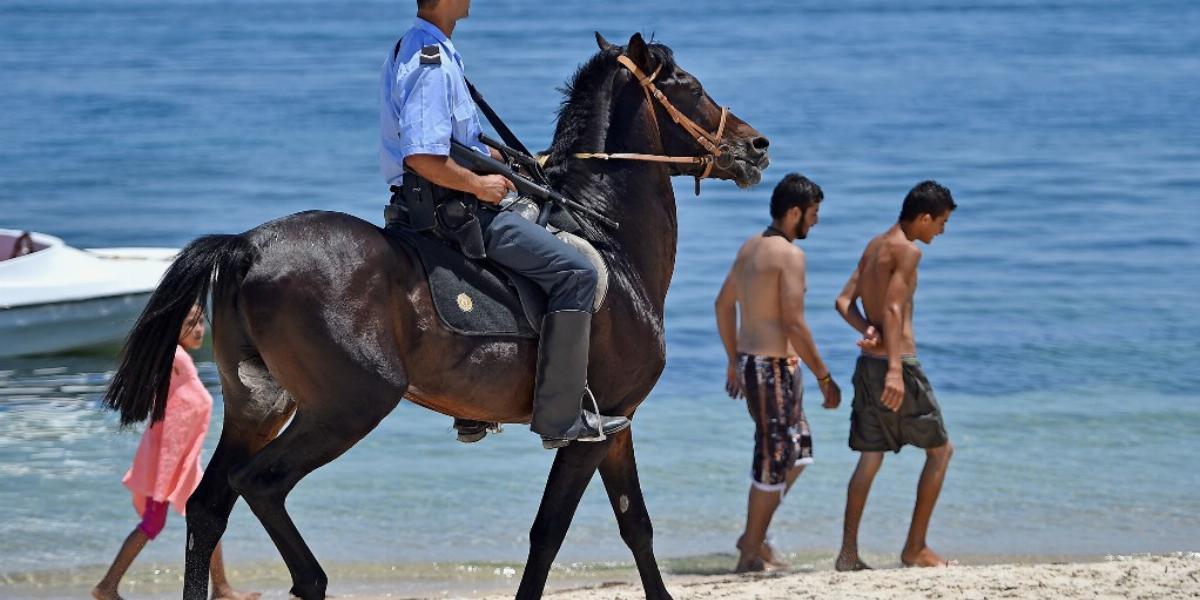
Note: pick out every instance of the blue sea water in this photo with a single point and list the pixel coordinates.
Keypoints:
(1056, 317)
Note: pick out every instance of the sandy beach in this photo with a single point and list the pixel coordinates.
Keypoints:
(1143, 577)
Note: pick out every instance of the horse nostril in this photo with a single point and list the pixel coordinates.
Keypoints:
(760, 143)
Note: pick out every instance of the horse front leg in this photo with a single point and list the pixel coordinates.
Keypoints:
(573, 468)
(620, 475)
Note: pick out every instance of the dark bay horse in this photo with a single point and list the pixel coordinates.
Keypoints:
(325, 319)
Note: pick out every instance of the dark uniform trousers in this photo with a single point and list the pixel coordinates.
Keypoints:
(567, 277)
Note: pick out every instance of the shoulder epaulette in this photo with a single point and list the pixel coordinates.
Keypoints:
(431, 55)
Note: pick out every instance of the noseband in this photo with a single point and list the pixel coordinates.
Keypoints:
(717, 153)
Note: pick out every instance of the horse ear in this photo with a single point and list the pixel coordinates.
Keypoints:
(638, 51)
(603, 43)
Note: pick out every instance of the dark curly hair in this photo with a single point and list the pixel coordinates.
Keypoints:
(928, 197)
(794, 190)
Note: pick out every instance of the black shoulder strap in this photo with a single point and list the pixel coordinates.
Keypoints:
(506, 134)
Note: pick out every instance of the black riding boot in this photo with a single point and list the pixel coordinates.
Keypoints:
(558, 413)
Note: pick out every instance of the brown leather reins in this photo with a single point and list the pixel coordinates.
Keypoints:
(709, 141)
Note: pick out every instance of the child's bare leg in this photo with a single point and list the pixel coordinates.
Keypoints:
(856, 502)
(107, 588)
(916, 553)
(221, 588)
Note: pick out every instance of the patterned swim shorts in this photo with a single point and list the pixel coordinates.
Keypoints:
(781, 435)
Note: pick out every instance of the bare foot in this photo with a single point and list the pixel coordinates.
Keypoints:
(769, 556)
(923, 558)
(766, 553)
(232, 594)
(100, 593)
(847, 561)
(750, 564)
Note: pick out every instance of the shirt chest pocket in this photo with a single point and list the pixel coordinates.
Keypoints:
(464, 119)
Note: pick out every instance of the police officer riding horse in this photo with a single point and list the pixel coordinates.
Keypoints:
(426, 107)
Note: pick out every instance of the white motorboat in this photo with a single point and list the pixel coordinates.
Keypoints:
(55, 298)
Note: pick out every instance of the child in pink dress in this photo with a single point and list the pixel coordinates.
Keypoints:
(166, 468)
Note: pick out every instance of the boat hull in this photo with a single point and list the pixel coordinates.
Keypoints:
(58, 298)
(64, 326)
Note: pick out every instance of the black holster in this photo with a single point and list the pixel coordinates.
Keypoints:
(458, 219)
(417, 194)
(437, 211)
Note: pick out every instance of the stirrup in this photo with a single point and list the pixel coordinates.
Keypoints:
(477, 431)
(548, 444)
(599, 437)
(600, 434)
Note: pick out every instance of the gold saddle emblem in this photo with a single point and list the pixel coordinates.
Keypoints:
(465, 303)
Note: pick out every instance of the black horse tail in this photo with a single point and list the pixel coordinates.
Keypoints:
(139, 388)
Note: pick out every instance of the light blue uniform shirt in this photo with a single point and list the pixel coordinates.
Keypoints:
(423, 106)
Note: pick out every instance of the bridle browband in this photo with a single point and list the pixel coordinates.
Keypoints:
(711, 142)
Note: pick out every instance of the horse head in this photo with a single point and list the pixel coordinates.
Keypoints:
(690, 123)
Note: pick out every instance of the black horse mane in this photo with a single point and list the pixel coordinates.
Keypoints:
(582, 126)
(585, 109)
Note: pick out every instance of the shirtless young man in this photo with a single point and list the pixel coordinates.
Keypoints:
(893, 402)
(767, 283)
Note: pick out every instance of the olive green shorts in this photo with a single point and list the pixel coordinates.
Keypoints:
(875, 428)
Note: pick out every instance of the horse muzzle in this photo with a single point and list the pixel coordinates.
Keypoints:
(743, 163)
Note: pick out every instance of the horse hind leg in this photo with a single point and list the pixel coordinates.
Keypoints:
(619, 473)
(254, 414)
(208, 513)
(324, 427)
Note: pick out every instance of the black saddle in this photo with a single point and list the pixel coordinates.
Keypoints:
(475, 297)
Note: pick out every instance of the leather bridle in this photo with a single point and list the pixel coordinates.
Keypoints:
(717, 152)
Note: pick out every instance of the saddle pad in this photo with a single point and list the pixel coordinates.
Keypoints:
(473, 297)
